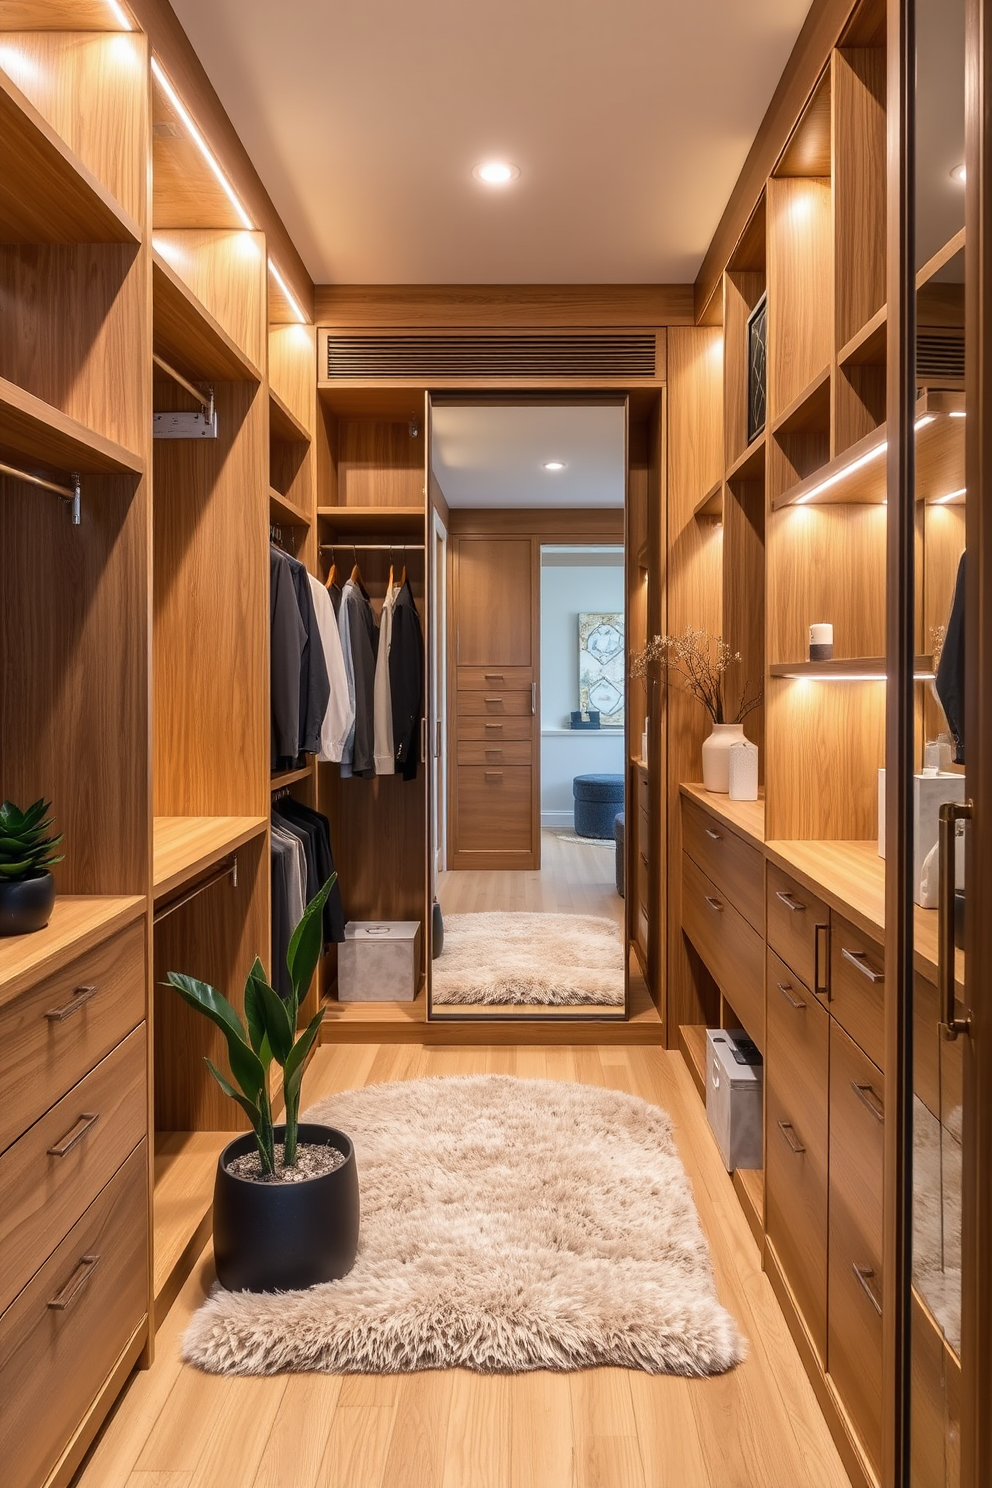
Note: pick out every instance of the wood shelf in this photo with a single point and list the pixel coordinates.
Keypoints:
(854, 668)
(186, 334)
(185, 846)
(33, 432)
(867, 346)
(711, 503)
(290, 777)
(283, 510)
(374, 521)
(943, 256)
(692, 1043)
(283, 423)
(750, 464)
(47, 195)
(78, 923)
(810, 411)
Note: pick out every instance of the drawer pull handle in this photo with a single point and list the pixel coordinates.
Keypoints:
(714, 904)
(85, 1267)
(644, 859)
(865, 1275)
(860, 960)
(787, 990)
(494, 676)
(494, 774)
(716, 836)
(785, 1127)
(821, 957)
(78, 1132)
(80, 997)
(494, 699)
(790, 902)
(498, 752)
(869, 1098)
(497, 726)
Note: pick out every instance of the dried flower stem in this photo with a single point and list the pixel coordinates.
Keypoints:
(702, 661)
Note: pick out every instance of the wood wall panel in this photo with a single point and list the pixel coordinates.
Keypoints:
(826, 563)
(492, 602)
(226, 272)
(800, 278)
(378, 464)
(858, 85)
(492, 306)
(825, 743)
(292, 369)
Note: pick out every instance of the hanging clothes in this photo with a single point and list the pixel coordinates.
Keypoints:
(344, 632)
(288, 866)
(287, 640)
(949, 682)
(292, 813)
(357, 613)
(339, 716)
(314, 684)
(385, 760)
(406, 681)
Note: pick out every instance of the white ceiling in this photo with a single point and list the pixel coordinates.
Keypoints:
(629, 121)
(491, 455)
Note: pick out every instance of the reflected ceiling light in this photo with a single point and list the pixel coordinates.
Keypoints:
(840, 475)
(959, 174)
(926, 418)
(294, 303)
(951, 496)
(553, 465)
(958, 413)
(201, 144)
(120, 15)
(496, 172)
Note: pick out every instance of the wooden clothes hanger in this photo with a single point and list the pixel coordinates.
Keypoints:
(332, 577)
(356, 576)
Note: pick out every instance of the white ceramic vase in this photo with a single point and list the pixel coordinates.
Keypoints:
(716, 755)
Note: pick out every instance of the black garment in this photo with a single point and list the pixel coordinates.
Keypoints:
(294, 813)
(406, 682)
(949, 683)
(305, 835)
(364, 650)
(286, 890)
(334, 590)
(287, 639)
(314, 685)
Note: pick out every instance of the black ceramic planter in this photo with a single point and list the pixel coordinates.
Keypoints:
(26, 904)
(280, 1237)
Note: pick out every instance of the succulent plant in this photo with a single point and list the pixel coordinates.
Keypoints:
(25, 848)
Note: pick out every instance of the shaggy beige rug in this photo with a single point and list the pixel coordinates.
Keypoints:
(507, 1225)
(556, 960)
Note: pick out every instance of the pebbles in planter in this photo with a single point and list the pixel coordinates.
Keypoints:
(312, 1160)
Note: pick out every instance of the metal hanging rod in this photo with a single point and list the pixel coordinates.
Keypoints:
(372, 547)
(229, 869)
(206, 403)
(71, 495)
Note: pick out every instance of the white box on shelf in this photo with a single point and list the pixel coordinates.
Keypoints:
(733, 1100)
(379, 961)
(929, 794)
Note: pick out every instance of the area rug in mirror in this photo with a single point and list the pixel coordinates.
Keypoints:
(510, 959)
(507, 1225)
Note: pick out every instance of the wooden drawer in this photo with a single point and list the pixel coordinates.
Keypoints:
(495, 679)
(854, 1341)
(494, 752)
(55, 1358)
(54, 1034)
(857, 987)
(495, 808)
(490, 729)
(61, 1163)
(643, 790)
(796, 1092)
(734, 953)
(798, 929)
(732, 864)
(495, 704)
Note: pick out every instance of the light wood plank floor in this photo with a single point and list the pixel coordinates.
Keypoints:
(756, 1427)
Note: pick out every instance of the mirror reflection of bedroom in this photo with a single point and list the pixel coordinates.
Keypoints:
(529, 779)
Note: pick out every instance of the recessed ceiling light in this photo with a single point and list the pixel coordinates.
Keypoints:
(958, 174)
(496, 172)
(554, 465)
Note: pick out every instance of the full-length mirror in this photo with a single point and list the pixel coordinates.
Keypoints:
(529, 596)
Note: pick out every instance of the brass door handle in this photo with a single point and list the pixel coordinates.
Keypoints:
(860, 960)
(787, 989)
(85, 1267)
(865, 1275)
(787, 1130)
(76, 1134)
(80, 997)
(951, 812)
(869, 1098)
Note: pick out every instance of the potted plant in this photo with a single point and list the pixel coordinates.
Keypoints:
(702, 661)
(27, 852)
(286, 1207)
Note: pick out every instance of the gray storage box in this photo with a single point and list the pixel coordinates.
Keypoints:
(379, 961)
(733, 1100)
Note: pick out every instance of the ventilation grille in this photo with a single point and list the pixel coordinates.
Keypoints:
(483, 357)
(940, 356)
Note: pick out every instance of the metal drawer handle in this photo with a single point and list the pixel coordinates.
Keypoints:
(787, 990)
(716, 836)
(644, 859)
(869, 1097)
(78, 1132)
(951, 812)
(865, 1275)
(494, 774)
(821, 961)
(785, 1127)
(80, 997)
(85, 1267)
(789, 901)
(489, 726)
(714, 904)
(494, 699)
(860, 960)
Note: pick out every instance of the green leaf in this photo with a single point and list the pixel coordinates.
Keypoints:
(307, 940)
(278, 1028)
(246, 1066)
(293, 1075)
(262, 1129)
(253, 1012)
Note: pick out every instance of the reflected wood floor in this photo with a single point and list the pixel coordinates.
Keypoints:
(756, 1427)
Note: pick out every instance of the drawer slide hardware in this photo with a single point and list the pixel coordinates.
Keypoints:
(865, 1275)
(786, 1128)
(85, 1267)
(65, 1144)
(790, 902)
(787, 991)
(80, 997)
(868, 1097)
(860, 960)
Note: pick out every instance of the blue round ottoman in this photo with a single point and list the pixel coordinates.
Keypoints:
(618, 834)
(597, 798)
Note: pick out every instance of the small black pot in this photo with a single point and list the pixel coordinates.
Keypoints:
(26, 903)
(281, 1237)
